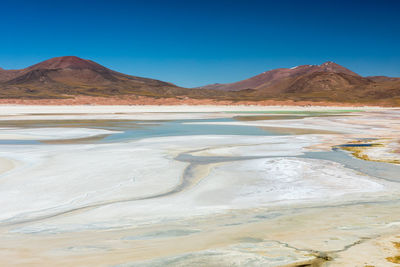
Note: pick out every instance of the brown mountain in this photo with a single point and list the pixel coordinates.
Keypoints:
(70, 75)
(382, 78)
(326, 82)
(272, 77)
(333, 87)
(6, 75)
(66, 77)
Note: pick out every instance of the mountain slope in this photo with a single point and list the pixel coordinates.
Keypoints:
(382, 78)
(332, 87)
(272, 77)
(70, 75)
(6, 75)
(326, 82)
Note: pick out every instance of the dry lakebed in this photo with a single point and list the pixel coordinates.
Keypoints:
(199, 186)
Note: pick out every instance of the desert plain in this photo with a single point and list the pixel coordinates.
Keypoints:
(199, 186)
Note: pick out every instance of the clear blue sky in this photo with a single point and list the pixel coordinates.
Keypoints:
(197, 42)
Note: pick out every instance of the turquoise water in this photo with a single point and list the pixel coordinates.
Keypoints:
(135, 129)
(381, 170)
(132, 130)
(19, 142)
(184, 128)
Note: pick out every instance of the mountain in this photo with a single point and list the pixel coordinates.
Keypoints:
(326, 82)
(70, 75)
(382, 78)
(270, 78)
(7, 74)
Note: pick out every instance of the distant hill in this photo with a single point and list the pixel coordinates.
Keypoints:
(383, 78)
(270, 78)
(326, 82)
(70, 76)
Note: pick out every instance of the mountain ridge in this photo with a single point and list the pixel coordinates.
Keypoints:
(270, 77)
(70, 76)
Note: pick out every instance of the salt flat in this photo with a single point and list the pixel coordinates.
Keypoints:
(49, 133)
(217, 191)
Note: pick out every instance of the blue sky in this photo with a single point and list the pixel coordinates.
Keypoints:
(192, 43)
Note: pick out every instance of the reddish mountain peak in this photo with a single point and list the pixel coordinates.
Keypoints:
(272, 77)
(67, 62)
(330, 66)
(329, 63)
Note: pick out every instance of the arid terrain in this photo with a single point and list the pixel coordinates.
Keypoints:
(72, 80)
(208, 133)
(173, 101)
(199, 186)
